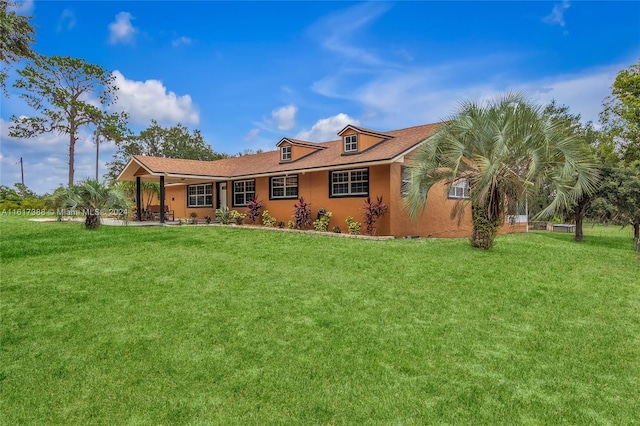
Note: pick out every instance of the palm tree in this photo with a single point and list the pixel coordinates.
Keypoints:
(505, 150)
(93, 198)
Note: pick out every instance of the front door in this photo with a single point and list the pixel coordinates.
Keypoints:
(222, 195)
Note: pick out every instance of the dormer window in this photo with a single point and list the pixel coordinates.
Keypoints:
(285, 153)
(351, 143)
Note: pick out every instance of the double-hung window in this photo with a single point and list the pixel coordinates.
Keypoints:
(405, 181)
(285, 153)
(243, 191)
(351, 143)
(200, 195)
(349, 183)
(284, 187)
(459, 189)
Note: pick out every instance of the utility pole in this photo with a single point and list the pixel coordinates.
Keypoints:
(22, 170)
(97, 150)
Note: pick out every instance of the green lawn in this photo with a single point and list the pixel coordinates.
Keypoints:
(221, 325)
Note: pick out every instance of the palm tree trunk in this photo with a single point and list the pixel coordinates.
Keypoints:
(92, 220)
(581, 208)
(484, 228)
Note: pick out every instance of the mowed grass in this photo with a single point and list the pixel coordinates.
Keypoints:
(222, 325)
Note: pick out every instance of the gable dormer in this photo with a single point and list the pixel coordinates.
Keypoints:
(294, 149)
(356, 139)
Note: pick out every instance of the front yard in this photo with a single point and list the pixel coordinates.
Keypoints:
(217, 325)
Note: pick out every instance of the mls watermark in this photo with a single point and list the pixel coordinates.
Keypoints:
(64, 212)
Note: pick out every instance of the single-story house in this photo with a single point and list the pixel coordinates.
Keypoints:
(336, 176)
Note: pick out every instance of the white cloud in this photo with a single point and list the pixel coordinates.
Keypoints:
(182, 41)
(583, 93)
(285, 117)
(67, 20)
(146, 100)
(326, 129)
(121, 30)
(252, 134)
(556, 17)
(336, 31)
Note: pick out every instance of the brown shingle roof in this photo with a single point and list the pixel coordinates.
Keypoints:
(269, 162)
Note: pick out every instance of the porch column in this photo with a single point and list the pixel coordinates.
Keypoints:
(138, 200)
(161, 199)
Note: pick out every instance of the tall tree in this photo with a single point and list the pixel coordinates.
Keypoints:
(16, 37)
(618, 200)
(590, 139)
(65, 92)
(505, 150)
(621, 114)
(157, 141)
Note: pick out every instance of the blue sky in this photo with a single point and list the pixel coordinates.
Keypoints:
(247, 74)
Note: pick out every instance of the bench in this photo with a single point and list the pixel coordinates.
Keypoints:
(563, 227)
(153, 212)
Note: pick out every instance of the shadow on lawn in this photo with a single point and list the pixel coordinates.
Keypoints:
(617, 242)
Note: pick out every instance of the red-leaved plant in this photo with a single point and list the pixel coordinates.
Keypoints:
(302, 214)
(372, 212)
(253, 208)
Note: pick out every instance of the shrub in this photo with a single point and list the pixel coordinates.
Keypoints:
(223, 215)
(281, 225)
(337, 230)
(322, 223)
(354, 227)
(32, 204)
(302, 214)
(9, 205)
(373, 210)
(207, 219)
(194, 217)
(267, 219)
(291, 224)
(237, 217)
(253, 208)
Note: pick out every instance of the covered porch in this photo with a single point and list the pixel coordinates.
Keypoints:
(181, 195)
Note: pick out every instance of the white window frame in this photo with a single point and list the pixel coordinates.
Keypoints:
(285, 153)
(350, 181)
(247, 194)
(405, 180)
(459, 189)
(200, 193)
(351, 143)
(288, 184)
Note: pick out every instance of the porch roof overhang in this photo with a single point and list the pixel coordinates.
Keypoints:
(135, 169)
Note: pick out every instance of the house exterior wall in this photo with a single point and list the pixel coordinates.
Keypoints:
(176, 198)
(434, 221)
(384, 180)
(298, 151)
(314, 188)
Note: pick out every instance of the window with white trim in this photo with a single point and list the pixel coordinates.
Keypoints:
(350, 143)
(285, 153)
(459, 189)
(200, 195)
(347, 183)
(284, 187)
(243, 191)
(405, 182)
